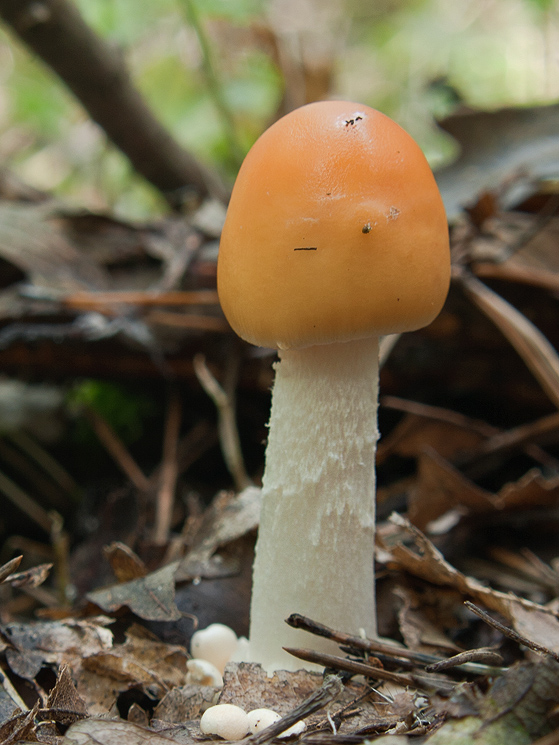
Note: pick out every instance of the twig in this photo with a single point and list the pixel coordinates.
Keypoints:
(534, 348)
(184, 321)
(515, 437)
(497, 440)
(169, 470)
(117, 449)
(96, 74)
(25, 503)
(328, 692)
(510, 633)
(439, 414)
(350, 666)
(375, 646)
(486, 655)
(61, 548)
(104, 300)
(228, 433)
(44, 459)
(215, 88)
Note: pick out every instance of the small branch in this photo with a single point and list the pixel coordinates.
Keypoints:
(328, 692)
(485, 655)
(394, 652)
(510, 633)
(228, 433)
(117, 449)
(535, 349)
(169, 470)
(351, 666)
(215, 88)
(25, 503)
(45, 460)
(61, 548)
(96, 74)
(184, 321)
(101, 301)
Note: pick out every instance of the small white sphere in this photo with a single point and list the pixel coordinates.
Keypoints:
(259, 719)
(296, 729)
(203, 673)
(225, 720)
(216, 644)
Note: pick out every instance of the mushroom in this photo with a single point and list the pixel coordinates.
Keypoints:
(203, 673)
(225, 720)
(260, 719)
(215, 643)
(335, 234)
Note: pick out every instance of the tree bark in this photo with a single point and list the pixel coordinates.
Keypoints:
(96, 74)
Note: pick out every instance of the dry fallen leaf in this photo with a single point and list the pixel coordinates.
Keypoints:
(185, 703)
(440, 488)
(34, 644)
(151, 597)
(142, 662)
(248, 686)
(515, 710)
(228, 518)
(420, 558)
(116, 732)
(9, 567)
(64, 704)
(126, 565)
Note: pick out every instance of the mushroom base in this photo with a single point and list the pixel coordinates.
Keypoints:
(315, 546)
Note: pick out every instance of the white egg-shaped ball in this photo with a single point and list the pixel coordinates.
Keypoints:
(203, 673)
(225, 720)
(259, 719)
(216, 644)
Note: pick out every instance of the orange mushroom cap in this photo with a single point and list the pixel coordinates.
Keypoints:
(335, 231)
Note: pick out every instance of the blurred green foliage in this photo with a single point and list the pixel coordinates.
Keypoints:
(124, 409)
(413, 59)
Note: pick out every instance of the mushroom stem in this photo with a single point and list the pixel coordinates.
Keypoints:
(318, 499)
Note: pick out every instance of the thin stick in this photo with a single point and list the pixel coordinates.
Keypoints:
(350, 666)
(510, 633)
(117, 449)
(328, 692)
(169, 470)
(25, 503)
(213, 83)
(228, 433)
(44, 459)
(393, 651)
(187, 321)
(483, 654)
(94, 300)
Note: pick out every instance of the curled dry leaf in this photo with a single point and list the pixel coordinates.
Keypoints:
(31, 577)
(9, 567)
(441, 488)
(142, 661)
(64, 704)
(185, 703)
(420, 558)
(494, 145)
(30, 646)
(536, 351)
(228, 518)
(126, 564)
